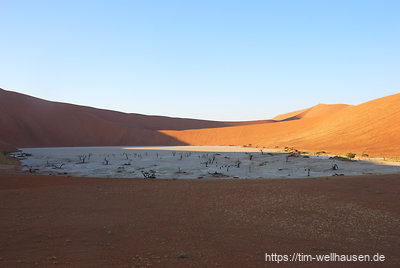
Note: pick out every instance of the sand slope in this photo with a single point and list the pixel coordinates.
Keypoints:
(372, 128)
(6, 147)
(26, 121)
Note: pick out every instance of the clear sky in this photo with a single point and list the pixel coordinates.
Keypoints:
(221, 60)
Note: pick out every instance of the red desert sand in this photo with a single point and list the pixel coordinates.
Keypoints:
(82, 222)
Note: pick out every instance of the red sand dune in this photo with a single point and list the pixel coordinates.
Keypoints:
(26, 121)
(372, 128)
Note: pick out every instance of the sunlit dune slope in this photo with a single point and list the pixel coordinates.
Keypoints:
(372, 128)
(26, 121)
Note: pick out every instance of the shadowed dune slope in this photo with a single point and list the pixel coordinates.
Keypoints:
(26, 121)
(372, 127)
(6, 147)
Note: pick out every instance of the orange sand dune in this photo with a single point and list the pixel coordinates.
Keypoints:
(372, 128)
(26, 121)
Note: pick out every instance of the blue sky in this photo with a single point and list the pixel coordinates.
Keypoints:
(220, 60)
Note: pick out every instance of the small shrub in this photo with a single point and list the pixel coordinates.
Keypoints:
(318, 248)
(340, 158)
(182, 255)
(350, 155)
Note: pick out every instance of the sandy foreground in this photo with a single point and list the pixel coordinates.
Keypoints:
(55, 221)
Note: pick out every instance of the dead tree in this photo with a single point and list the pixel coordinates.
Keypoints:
(58, 167)
(238, 164)
(82, 158)
(151, 174)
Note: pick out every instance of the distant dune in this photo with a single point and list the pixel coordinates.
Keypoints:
(26, 121)
(315, 111)
(372, 128)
